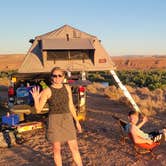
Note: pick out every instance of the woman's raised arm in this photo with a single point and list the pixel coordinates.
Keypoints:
(40, 98)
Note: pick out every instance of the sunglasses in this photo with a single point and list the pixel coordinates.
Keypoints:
(56, 76)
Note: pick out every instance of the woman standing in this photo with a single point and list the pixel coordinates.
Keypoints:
(61, 113)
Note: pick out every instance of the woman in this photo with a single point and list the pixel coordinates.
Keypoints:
(61, 113)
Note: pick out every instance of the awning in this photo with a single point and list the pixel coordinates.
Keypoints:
(64, 44)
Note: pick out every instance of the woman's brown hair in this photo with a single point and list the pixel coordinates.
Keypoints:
(57, 68)
(54, 69)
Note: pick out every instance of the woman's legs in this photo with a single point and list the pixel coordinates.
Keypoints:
(75, 152)
(57, 153)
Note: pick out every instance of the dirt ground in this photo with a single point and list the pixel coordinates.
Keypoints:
(99, 143)
(139, 62)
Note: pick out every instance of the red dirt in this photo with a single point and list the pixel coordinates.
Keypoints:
(11, 62)
(140, 62)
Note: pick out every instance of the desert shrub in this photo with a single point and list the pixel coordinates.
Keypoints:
(130, 88)
(4, 77)
(96, 88)
(153, 101)
(125, 101)
(148, 111)
(5, 74)
(143, 93)
(159, 94)
(113, 92)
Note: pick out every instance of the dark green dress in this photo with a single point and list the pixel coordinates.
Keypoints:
(60, 121)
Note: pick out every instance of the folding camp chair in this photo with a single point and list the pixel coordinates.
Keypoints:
(142, 148)
(122, 124)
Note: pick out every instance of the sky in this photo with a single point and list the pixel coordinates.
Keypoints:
(125, 27)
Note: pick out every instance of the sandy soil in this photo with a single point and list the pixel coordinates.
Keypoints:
(11, 61)
(99, 144)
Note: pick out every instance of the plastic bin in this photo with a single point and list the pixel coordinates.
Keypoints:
(11, 119)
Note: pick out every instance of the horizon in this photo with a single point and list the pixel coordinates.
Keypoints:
(136, 55)
(124, 28)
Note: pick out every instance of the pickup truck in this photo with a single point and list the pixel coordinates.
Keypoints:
(20, 100)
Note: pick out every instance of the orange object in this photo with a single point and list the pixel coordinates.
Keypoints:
(144, 145)
(148, 146)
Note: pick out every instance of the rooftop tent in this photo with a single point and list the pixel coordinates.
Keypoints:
(68, 48)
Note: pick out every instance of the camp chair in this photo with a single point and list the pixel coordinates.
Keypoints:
(142, 148)
(122, 124)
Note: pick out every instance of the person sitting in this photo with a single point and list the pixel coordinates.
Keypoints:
(138, 135)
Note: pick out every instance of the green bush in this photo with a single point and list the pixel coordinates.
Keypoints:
(151, 79)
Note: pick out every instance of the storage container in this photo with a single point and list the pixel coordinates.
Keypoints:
(11, 120)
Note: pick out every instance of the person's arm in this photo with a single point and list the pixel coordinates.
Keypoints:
(72, 108)
(145, 119)
(137, 137)
(40, 99)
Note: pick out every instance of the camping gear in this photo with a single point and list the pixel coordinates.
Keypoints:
(30, 98)
(144, 148)
(20, 110)
(29, 126)
(22, 95)
(10, 119)
(124, 128)
(7, 139)
(9, 136)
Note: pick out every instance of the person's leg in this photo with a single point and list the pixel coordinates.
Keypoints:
(159, 136)
(57, 153)
(153, 134)
(164, 133)
(75, 152)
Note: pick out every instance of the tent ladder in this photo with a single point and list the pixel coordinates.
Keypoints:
(125, 91)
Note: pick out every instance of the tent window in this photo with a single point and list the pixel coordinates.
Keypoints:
(53, 55)
(76, 34)
(57, 55)
(79, 55)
